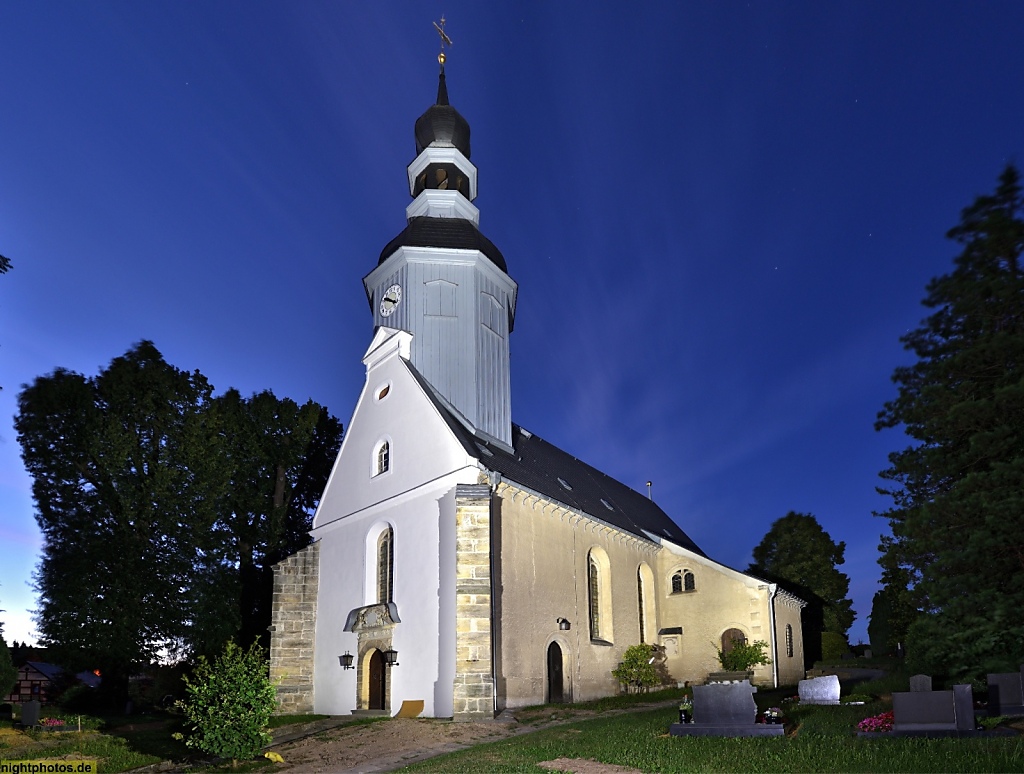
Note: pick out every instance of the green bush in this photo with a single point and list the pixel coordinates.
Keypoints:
(833, 646)
(8, 672)
(228, 704)
(744, 655)
(636, 671)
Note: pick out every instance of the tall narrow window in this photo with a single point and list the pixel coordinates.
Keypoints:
(640, 604)
(789, 640)
(677, 583)
(385, 566)
(689, 584)
(594, 578)
(383, 458)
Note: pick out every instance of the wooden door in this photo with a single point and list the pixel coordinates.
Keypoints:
(378, 681)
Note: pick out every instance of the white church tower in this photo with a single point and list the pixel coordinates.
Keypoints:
(446, 283)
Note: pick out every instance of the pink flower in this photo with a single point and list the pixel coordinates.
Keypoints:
(879, 723)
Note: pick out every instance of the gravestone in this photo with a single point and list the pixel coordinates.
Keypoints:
(867, 652)
(920, 682)
(30, 714)
(819, 690)
(725, 709)
(6, 711)
(1006, 693)
(933, 713)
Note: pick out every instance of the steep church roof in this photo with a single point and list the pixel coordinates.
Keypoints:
(450, 233)
(442, 124)
(542, 467)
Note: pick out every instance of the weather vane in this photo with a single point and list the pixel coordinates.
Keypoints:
(445, 40)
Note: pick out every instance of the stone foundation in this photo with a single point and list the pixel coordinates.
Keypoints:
(292, 630)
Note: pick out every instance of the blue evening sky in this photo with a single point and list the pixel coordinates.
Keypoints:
(721, 215)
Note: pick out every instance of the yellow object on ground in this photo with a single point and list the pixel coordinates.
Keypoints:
(410, 709)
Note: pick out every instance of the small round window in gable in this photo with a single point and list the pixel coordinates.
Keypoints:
(382, 393)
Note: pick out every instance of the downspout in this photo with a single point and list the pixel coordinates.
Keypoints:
(773, 589)
(494, 478)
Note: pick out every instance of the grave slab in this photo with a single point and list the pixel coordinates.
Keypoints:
(30, 714)
(927, 713)
(1006, 693)
(920, 682)
(725, 709)
(819, 690)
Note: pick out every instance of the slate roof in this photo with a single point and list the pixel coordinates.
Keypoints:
(541, 467)
(442, 124)
(424, 231)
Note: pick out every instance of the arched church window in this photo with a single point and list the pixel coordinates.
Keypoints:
(382, 463)
(677, 583)
(386, 566)
(789, 640)
(599, 593)
(689, 584)
(640, 603)
(441, 178)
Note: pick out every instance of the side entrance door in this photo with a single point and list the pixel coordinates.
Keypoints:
(555, 694)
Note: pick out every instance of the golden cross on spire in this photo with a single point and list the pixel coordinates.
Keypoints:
(445, 40)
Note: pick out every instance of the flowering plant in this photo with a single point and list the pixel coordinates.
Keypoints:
(879, 723)
(686, 704)
(772, 714)
(51, 722)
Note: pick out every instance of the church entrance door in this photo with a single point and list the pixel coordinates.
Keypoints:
(555, 694)
(378, 681)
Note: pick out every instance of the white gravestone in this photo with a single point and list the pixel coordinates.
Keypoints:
(819, 690)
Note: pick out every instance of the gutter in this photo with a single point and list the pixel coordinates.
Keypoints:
(773, 589)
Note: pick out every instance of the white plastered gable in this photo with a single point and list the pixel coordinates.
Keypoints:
(393, 408)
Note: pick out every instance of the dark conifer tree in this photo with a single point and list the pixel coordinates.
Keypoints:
(958, 490)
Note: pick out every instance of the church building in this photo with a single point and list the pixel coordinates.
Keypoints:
(460, 560)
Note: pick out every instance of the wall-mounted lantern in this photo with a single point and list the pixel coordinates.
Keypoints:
(391, 657)
(563, 625)
(346, 660)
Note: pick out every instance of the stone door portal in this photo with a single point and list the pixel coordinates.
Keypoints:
(555, 694)
(378, 681)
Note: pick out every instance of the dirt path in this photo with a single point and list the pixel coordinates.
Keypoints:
(391, 744)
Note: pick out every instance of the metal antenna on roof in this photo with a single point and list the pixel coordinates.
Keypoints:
(649, 491)
(445, 40)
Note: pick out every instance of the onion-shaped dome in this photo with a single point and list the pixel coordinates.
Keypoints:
(442, 124)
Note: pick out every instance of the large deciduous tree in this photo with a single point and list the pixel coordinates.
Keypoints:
(162, 508)
(797, 553)
(127, 472)
(958, 490)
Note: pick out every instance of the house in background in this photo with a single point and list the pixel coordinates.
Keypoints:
(43, 682)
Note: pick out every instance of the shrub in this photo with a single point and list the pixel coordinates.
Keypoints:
(744, 655)
(636, 671)
(8, 672)
(833, 646)
(228, 704)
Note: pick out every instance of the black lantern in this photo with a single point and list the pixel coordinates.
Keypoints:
(391, 657)
(563, 625)
(346, 660)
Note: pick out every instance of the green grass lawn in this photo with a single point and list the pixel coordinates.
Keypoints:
(824, 740)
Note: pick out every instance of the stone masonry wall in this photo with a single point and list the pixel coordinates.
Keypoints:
(474, 681)
(292, 629)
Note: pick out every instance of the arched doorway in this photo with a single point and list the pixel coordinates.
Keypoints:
(555, 691)
(731, 638)
(378, 681)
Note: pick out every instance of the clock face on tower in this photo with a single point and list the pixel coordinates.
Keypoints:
(390, 300)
